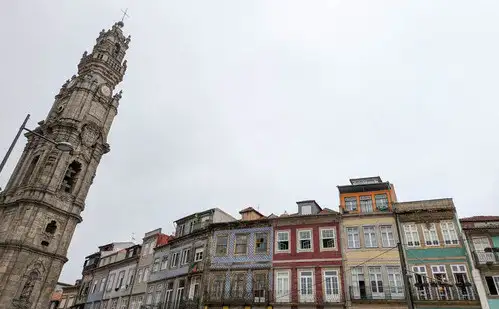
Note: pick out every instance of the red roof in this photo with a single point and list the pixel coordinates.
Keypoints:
(480, 218)
(163, 239)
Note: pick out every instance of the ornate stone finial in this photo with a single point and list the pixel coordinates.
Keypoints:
(118, 95)
(85, 53)
(65, 84)
(127, 40)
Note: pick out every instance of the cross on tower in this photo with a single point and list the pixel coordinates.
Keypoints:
(124, 14)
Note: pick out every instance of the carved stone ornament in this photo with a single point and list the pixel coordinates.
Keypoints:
(89, 134)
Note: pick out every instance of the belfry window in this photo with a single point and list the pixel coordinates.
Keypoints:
(70, 177)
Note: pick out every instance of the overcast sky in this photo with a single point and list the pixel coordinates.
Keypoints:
(264, 103)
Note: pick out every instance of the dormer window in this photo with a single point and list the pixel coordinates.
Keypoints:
(306, 210)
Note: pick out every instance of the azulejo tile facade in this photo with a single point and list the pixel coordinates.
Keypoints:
(312, 258)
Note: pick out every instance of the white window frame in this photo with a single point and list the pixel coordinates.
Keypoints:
(347, 200)
(184, 259)
(198, 254)
(333, 297)
(309, 210)
(321, 240)
(378, 274)
(357, 272)
(362, 206)
(94, 286)
(373, 240)
(102, 284)
(449, 231)
(394, 274)
(385, 230)
(306, 298)
(175, 259)
(288, 233)
(282, 295)
(299, 239)
(430, 235)
(164, 262)
(355, 242)
(411, 229)
(246, 243)
(194, 281)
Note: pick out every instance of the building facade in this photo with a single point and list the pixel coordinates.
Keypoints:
(46, 193)
(482, 234)
(373, 273)
(438, 264)
(240, 262)
(307, 259)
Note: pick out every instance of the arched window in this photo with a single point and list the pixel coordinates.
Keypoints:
(51, 227)
(30, 170)
(71, 177)
(28, 286)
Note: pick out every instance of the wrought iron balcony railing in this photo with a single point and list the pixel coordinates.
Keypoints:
(237, 297)
(444, 292)
(486, 258)
(376, 293)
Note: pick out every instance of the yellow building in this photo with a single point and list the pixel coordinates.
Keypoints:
(372, 270)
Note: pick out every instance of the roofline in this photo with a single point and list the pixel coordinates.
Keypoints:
(211, 210)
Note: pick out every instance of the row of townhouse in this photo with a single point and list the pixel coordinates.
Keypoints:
(375, 252)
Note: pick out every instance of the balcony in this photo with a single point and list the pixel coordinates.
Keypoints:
(463, 293)
(295, 298)
(381, 293)
(259, 297)
(486, 258)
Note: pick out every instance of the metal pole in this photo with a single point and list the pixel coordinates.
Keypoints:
(13, 144)
(407, 287)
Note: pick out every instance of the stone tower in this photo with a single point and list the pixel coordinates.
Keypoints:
(41, 204)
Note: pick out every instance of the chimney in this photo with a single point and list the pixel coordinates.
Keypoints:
(249, 214)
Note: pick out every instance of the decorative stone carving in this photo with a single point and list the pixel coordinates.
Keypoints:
(89, 134)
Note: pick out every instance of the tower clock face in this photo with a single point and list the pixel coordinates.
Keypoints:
(105, 90)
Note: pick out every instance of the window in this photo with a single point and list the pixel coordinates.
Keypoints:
(180, 230)
(351, 203)
(430, 234)
(185, 256)
(493, 284)
(411, 235)
(139, 301)
(282, 286)
(198, 254)
(140, 275)
(222, 245)
(179, 293)
(164, 262)
(168, 294)
(129, 281)
(331, 286)
(481, 243)
(217, 286)
(420, 281)
(305, 286)
(304, 240)
(461, 280)
(387, 239)
(121, 277)
(157, 298)
(241, 244)
(282, 241)
(376, 281)
(366, 203)
(370, 240)
(175, 259)
(124, 303)
(261, 242)
(328, 239)
(70, 178)
(102, 284)
(353, 237)
(306, 210)
(149, 296)
(237, 286)
(395, 281)
(260, 287)
(110, 282)
(146, 274)
(449, 233)
(194, 289)
(440, 276)
(155, 265)
(114, 303)
(381, 201)
(94, 286)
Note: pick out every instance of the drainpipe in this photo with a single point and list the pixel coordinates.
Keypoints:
(405, 275)
(475, 273)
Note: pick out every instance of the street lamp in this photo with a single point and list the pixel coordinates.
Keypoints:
(62, 146)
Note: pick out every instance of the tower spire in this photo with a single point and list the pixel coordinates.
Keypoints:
(43, 200)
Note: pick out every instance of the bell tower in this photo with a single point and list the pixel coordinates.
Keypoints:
(41, 204)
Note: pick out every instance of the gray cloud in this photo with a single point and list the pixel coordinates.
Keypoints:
(231, 103)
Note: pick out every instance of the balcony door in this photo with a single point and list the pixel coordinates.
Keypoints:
(421, 282)
(481, 243)
(306, 288)
(464, 290)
